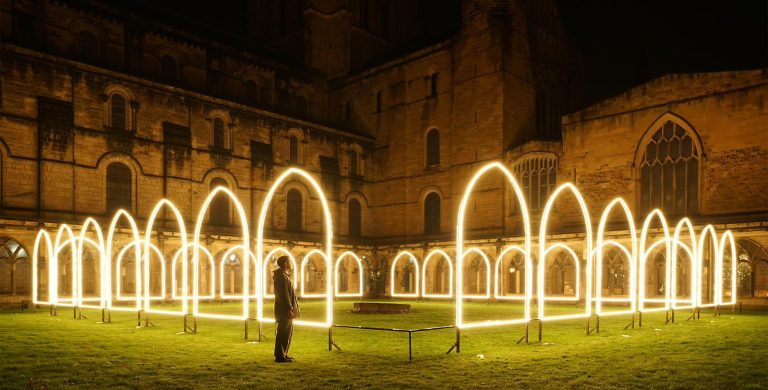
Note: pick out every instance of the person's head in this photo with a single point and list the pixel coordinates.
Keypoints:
(284, 263)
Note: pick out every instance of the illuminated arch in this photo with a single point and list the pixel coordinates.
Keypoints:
(527, 263)
(119, 261)
(544, 250)
(110, 241)
(442, 254)
(631, 260)
(196, 257)
(690, 250)
(488, 273)
(727, 239)
(227, 255)
(303, 282)
(59, 245)
(631, 256)
(359, 262)
(273, 255)
(99, 246)
(644, 253)
(393, 270)
(184, 257)
(42, 238)
(460, 247)
(326, 255)
(708, 234)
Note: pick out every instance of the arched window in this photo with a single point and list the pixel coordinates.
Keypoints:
(354, 169)
(614, 274)
(538, 179)
(219, 211)
(355, 220)
(118, 112)
(119, 187)
(251, 92)
(433, 148)
(432, 213)
(293, 146)
(669, 172)
(169, 71)
(87, 47)
(218, 134)
(295, 208)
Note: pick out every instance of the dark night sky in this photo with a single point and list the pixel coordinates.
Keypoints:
(623, 42)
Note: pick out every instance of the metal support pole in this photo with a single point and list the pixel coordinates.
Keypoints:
(541, 329)
(245, 328)
(410, 347)
(330, 339)
(138, 318)
(458, 339)
(639, 319)
(598, 324)
(673, 316)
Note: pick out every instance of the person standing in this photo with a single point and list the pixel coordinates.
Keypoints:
(286, 309)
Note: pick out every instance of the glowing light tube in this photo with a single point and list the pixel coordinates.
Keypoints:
(630, 255)
(439, 254)
(393, 270)
(360, 288)
(487, 262)
(327, 256)
(727, 239)
(544, 249)
(270, 258)
(110, 242)
(184, 259)
(246, 238)
(59, 245)
(644, 253)
(708, 234)
(303, 275)
(690, 250)
(460, 222)
(42, 238)
(98, 245)
(118, 266)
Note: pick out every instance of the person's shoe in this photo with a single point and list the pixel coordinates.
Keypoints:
(290, 358)
(283, 360)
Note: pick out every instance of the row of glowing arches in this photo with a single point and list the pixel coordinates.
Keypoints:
(637, 254)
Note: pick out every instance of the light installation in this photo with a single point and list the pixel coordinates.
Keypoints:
(337, 278)
(436, 255)
(412, 260)
(230, 259)
(704, 253)
(271, 259)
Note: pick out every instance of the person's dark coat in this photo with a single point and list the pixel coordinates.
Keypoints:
(286, 304)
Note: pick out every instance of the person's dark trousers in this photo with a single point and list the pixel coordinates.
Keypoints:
(283, 337)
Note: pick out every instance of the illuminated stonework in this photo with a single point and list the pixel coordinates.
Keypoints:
(141, 298)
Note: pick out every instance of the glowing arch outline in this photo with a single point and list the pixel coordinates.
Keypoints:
(424, 267)
(336, 277)
(270, 255)
(393, 269)
(488, 273)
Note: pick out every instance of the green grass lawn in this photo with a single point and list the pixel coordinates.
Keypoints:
(726, 351)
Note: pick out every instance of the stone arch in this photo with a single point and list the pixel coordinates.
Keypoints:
(756, 255)
(15, 267)
(340, 269)
(438, 280)
(410, 276)
(363, 203)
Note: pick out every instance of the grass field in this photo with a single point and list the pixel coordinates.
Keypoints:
(713, 352)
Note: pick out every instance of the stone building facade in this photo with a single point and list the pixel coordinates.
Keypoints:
(103, 107)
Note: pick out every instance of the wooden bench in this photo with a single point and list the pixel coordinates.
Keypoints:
(380, 308)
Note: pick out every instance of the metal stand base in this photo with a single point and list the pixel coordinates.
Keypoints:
(106, 316)
(246, 331)
(331, 343)
(52, 310)
(525, 334)
(187, 328)
(597, 325)
(456, 345)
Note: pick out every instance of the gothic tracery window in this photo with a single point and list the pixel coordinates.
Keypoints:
(669, 172)
(538, 178)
